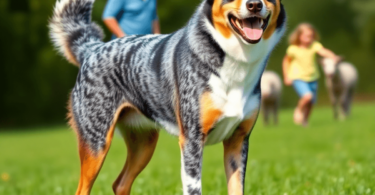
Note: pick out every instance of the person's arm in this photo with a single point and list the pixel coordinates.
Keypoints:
(112, 9)
(156, 26)
(286, 64)
(114, 27)
(326, 53)
(155, 22)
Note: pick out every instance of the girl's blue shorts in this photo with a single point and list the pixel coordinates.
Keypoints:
(302, 88)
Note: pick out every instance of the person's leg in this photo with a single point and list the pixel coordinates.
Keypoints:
(306, 112)
(309, 105)
(304, 105)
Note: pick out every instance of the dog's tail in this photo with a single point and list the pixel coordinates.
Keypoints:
(71, 29)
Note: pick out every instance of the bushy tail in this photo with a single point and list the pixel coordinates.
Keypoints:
(71, 28)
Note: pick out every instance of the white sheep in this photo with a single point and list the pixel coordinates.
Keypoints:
(341, 79)
(271, 87)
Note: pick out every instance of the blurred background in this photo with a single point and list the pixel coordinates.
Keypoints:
(38, 152)
(36, 81)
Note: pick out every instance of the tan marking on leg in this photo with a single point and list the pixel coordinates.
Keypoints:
(177, 110)
(90, 166)
(275, 10)
(219, 15)
(246, 126)
(233, 152)
(178, 116)
(92, 162)
(209, 113)
(181, 141)
(140, 147)
(233, 182)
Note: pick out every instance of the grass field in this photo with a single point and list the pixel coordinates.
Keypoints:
(329, 157)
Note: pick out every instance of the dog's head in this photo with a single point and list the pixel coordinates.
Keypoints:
(329, 66)
(250, 20)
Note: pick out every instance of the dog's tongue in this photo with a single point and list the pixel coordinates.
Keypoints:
(252, 29)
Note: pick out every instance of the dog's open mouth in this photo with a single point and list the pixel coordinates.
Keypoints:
(251, 29)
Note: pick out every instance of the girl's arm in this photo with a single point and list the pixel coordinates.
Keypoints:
(326, 53)
(156, 27)
(114, 27)
(286, 64)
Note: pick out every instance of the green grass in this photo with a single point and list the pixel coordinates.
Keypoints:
(329, 157)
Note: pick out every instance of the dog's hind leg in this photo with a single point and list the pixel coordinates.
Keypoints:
(140, 147)
(235, 156)
(94, 124)
(91, 163)
(91, 160)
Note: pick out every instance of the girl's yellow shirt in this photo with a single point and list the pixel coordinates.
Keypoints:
(303, 65)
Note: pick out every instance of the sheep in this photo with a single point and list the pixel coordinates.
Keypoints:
(341, 80)
(271, 87)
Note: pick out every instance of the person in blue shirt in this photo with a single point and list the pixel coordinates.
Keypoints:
(131, 17)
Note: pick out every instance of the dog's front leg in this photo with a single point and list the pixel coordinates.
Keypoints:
(235, 156)
(191, 163)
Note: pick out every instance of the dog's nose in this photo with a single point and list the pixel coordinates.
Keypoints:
(254, 6)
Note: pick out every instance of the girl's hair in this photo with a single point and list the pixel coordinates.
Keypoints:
(294, 37)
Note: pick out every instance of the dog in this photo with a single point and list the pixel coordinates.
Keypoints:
(341, 80)
(201, 83)
(271, 87)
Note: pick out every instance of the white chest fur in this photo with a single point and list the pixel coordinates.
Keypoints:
(233, 94)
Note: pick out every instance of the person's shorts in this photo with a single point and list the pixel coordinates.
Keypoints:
(303, 88)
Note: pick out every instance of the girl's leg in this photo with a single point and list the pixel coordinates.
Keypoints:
(313, 86)
(314, 89)
(307, 112)
(303, 109)
(307, 92)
